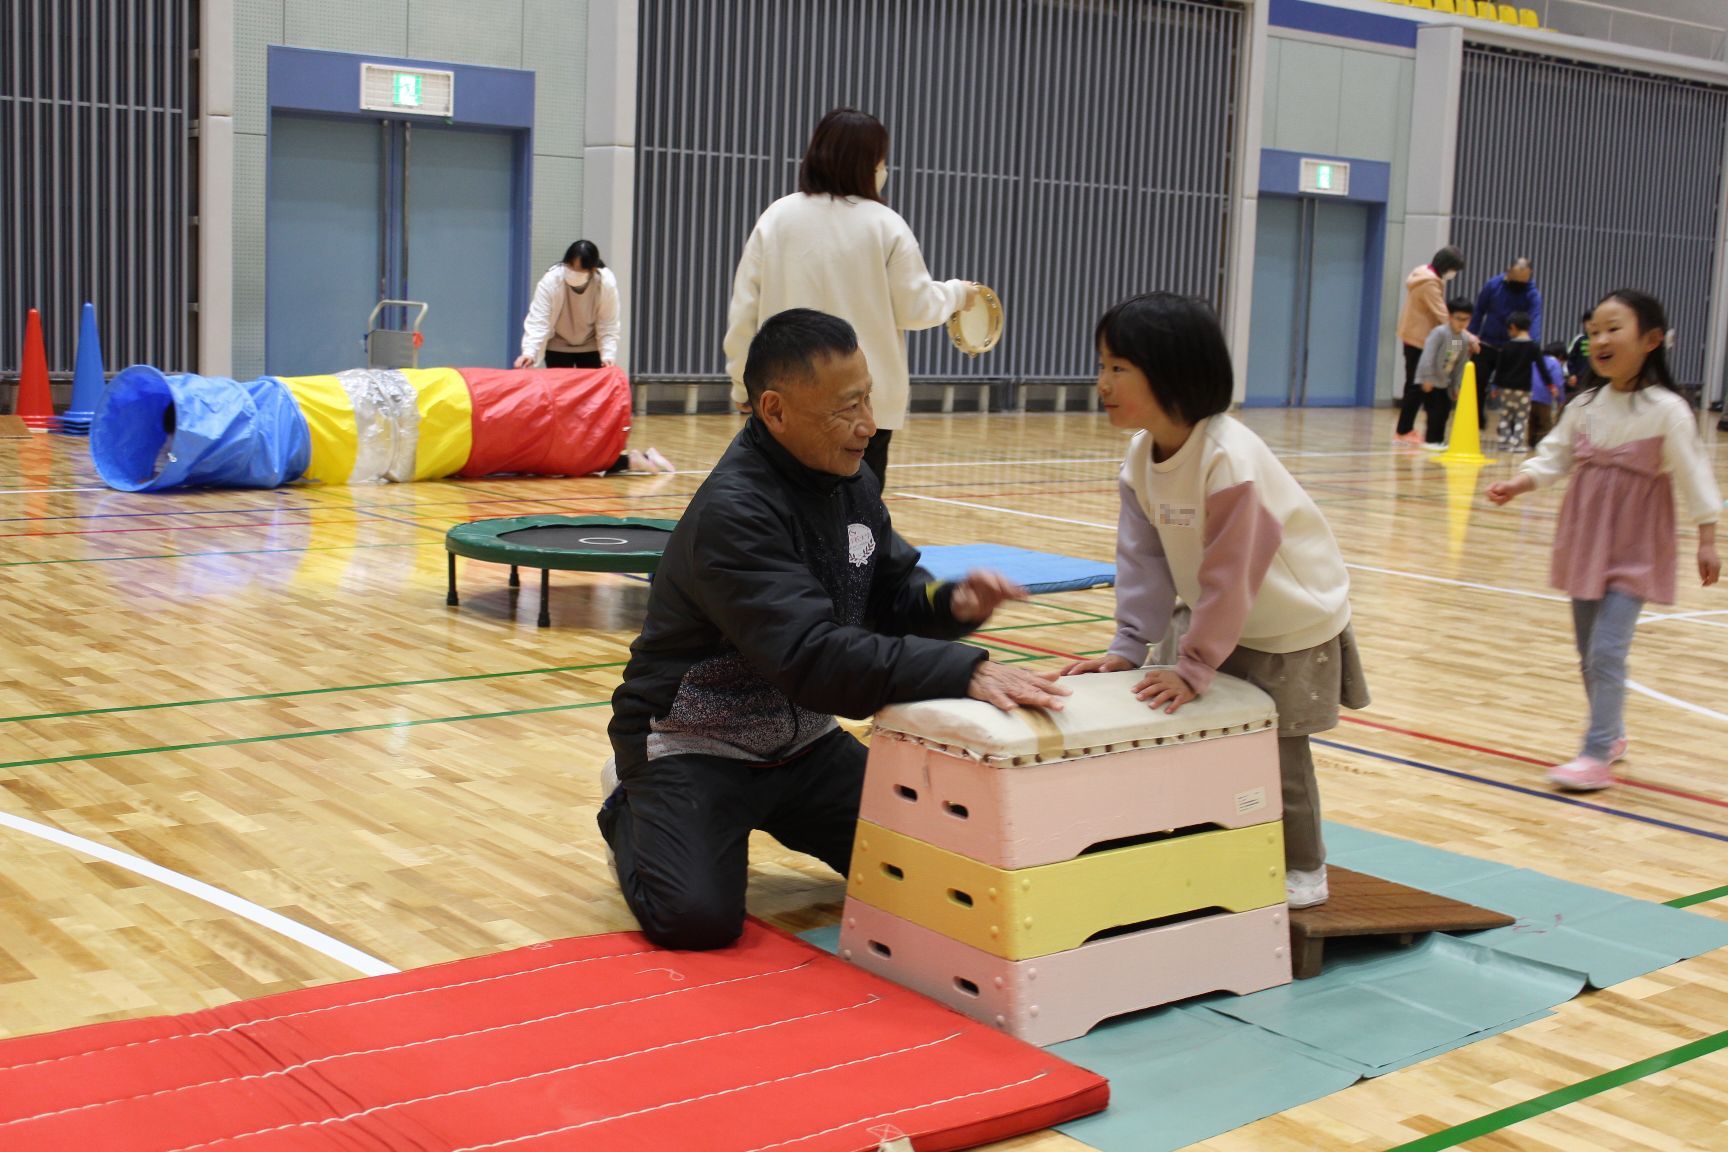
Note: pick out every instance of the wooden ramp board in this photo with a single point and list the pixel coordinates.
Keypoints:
(1363, 905)
(597, 1043)
(14, 428)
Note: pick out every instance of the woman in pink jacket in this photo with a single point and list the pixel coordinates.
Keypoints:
(1424, 310)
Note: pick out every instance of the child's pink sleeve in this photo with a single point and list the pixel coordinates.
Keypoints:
(1238, 545)
(1145, 591)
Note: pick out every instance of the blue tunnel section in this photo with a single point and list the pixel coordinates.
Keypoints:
(154, 431)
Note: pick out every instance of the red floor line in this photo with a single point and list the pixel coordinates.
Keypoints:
(1519, 758)
(997, 638)
(1504, 755)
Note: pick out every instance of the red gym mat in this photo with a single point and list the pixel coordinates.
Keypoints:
(598, 1043)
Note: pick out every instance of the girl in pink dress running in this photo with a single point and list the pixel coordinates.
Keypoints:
(1631, 441)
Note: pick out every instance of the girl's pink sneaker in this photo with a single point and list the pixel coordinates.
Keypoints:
(1585, 774)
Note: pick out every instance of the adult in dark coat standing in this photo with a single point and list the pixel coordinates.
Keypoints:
(1514, 290)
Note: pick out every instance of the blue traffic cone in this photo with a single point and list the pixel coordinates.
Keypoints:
(87, 378)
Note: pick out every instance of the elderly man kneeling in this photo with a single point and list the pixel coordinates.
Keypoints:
(784, 598)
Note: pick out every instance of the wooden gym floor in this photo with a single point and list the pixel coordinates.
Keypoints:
(264, 693)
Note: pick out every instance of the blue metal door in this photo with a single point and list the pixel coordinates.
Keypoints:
(1275, 317)
(363, 210)
(1338, 246)
(1310, 271)
(324, 242)
(460, 197)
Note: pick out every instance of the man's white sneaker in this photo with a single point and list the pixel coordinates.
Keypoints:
(1305, 889)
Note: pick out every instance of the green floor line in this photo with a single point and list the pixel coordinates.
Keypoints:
(1560, 1097)
(1698, 898)
(195, 555)
(1073, 611)
(307, 692)
(306, 735)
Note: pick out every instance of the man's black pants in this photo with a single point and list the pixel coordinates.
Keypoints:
(679, 827)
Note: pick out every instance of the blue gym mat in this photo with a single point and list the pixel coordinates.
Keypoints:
(1033, 571)
(1191, 1071)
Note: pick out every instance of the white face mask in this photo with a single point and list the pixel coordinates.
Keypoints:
(881, 177)
(1447, 279)
(577, 279)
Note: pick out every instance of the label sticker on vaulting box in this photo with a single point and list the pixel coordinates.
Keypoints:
(1250, 801)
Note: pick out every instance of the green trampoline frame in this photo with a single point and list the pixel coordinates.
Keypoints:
(481, 540)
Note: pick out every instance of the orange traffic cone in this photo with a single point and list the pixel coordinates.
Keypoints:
(35, 402)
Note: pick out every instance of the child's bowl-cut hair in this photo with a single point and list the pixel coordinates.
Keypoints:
(1177, 344)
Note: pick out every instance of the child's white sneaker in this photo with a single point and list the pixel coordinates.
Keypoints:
(1305, 889)
(1617, 751)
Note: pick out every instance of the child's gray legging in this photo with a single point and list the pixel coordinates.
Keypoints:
(1604, 628)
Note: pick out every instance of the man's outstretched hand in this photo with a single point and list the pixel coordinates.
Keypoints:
(980, 594)
(1009, 688)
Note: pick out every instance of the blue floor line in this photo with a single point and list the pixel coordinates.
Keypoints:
(1555, 796)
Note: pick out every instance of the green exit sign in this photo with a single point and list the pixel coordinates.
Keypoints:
(1325, 177)
(406, 89)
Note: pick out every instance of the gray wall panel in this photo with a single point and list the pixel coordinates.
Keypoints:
(1645, 217)
(97, 102)
(1065, 154)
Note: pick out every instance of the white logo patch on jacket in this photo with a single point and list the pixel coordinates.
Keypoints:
(860, 544)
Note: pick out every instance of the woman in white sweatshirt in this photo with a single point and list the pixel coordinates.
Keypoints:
(574, 322)
(836, 247)
(574, 316)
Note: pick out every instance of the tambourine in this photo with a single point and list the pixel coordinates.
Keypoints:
(977, 329)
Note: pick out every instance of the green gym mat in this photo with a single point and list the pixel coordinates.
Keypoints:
(1190, 1071)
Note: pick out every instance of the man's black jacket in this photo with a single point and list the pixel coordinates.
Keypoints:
(784, 598)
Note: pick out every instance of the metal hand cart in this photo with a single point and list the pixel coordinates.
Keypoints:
(394, 347)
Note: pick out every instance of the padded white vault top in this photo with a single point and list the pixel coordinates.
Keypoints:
(1101, 715)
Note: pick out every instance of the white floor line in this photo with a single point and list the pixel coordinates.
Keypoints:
(1682, 615)
(1634, 685)
(1462, 583)
(38, 491)
(1036, 463)
(312, 938)
(1004, 511)
(1676, 701)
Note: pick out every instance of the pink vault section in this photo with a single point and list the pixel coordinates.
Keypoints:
(597, 1043)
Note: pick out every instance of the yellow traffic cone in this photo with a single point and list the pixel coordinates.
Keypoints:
(1466, 444)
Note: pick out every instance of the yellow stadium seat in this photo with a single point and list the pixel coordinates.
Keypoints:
(1466, 7)
(1428, 4)
(1445, 6)
(1527, 18)
(1508, 14)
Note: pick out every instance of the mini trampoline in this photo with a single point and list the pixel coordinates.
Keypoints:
(567, 543)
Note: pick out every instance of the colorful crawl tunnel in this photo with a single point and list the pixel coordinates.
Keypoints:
(153, 431)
